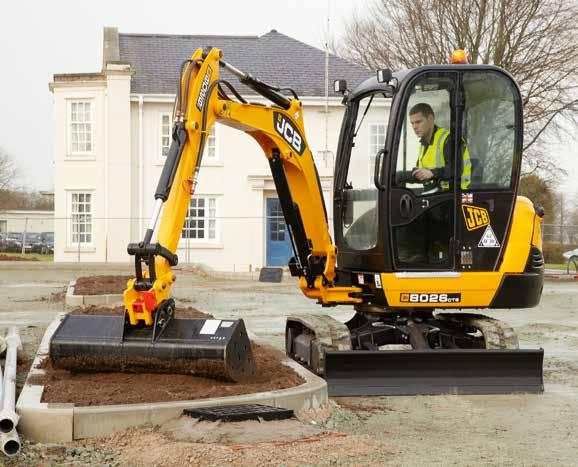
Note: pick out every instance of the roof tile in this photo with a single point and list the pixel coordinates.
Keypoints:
(274, 58)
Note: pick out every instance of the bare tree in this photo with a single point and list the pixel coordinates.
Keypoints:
(7, 170)
(535, 40)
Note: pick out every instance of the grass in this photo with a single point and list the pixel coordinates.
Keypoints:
(562, 266)
(36, 256)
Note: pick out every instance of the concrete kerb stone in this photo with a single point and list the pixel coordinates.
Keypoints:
(42, 422)
(74, 301)
(49, 423)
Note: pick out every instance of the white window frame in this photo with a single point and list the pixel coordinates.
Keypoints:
(70, 221)
(371, 146)
(206, 218)
(214, 138)
(69, 122)
(162, 115)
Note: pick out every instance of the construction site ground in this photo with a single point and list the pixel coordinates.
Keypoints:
(516, 429)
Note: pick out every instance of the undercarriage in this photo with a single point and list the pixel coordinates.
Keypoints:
(380, 351)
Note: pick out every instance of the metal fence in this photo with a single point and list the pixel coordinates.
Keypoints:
(562, 234)
(222, 243)
(87, 238)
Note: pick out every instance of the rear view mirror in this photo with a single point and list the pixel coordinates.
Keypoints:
(340, 86)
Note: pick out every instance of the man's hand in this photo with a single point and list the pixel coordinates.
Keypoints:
(422, 174)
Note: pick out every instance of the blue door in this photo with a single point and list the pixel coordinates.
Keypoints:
(278, 242)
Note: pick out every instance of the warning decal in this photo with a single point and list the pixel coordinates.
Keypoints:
(489, 239)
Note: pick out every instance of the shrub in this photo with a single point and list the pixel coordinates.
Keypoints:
(553, 253)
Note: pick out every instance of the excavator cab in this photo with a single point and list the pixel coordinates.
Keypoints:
(456, 223)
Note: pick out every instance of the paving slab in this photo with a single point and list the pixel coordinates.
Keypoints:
(49, 423)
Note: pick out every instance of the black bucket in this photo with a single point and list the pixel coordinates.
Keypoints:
(201, 347)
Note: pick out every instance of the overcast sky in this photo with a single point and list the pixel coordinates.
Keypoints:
(41, 38)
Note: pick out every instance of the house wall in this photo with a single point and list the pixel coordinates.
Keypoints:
(104, 172)
(29, 221)
(75, 172)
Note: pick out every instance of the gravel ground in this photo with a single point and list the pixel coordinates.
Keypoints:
(529, 430)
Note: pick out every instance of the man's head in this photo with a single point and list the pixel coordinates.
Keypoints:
(422, 119)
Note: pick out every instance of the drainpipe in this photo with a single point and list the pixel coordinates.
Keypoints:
(105, 175)
(140, 166)
(9, 439)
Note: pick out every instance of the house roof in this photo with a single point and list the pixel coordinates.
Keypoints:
(274, 58)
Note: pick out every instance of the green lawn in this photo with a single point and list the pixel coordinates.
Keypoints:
(559, 266)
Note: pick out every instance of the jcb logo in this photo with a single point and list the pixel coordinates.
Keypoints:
(475, 217)
(289, 133)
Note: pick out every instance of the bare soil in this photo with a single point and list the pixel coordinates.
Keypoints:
(101, 285)
(15, 258)
(86, 387)
(188, 312)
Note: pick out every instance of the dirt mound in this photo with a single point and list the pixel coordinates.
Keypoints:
(101, 285)
(188, 312)
(86, 389)
(136, 385)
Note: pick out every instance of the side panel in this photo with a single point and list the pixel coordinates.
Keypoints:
(440, 290)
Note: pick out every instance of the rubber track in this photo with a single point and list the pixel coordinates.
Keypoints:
(497, 333)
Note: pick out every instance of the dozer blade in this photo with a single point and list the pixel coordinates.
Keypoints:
(413, 372)
(211, 348)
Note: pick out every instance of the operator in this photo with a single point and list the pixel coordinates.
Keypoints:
(426, 240)
(433, 152)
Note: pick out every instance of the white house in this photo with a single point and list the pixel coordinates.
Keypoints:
(112, 133)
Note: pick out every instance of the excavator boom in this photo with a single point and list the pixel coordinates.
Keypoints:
(150, 329)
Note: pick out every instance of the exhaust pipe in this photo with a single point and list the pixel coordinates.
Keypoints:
(9, 439)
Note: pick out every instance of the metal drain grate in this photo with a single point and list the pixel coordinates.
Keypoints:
(239, 413)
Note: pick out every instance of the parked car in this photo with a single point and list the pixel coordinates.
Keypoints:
(35, 241)
(15, 243)
(571, 255)
(47, 243)
(8, 244)
(4, 242)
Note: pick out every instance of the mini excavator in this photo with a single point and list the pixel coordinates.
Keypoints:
(408, 256)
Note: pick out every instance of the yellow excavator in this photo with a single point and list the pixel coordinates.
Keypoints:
(404, 247)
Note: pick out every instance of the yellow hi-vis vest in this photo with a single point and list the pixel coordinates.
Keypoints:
(434, 158)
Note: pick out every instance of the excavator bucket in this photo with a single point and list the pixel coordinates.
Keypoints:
(202, 347)
(444, 371)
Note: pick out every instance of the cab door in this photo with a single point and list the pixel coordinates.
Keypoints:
(422, 214)
(358, 222)
(491, 125)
